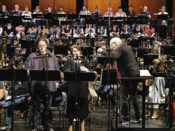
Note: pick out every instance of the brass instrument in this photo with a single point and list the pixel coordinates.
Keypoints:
(3, 49)
(158, 65)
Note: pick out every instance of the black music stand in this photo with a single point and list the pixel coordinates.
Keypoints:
(107, 18)
(29, 45)
(162, 17)
(61, 49)
(4, 21)
(37, 16)
(168, 50)
(87, 50)
(66, 22)
(142, 51)
(61, 15)
(104, 60)
(148, 58)
(16, 20)
(45, 75)
(72, 16)
(109, 77)
(78, 77)
(85, 16)
(50, 18)
(13, 76)
(142, 19)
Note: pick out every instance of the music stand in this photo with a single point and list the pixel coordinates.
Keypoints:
(168, 50)
(29, 45)
(104, 60)
(45, 75)
(142, 51)
(4, 21)
(16, 20)
(50, 18)
(61, 15)
(37, 16)
(85, 16)
(79, 76)
(142, 19)
(61, 49)
(162, 17)
(41, 22)
(87, 50)
(107, 18)
(66, 22)
(72, 16)
(148, 58)
(109, 77)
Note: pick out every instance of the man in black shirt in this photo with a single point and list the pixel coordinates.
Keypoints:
(128, 67)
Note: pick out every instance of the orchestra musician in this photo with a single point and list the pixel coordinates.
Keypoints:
(16, 11)
(120, 13)
(4, 11)
(109, 13)
(27, 15)
(145, 12)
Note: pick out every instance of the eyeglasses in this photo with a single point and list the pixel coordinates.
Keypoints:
(41, 45)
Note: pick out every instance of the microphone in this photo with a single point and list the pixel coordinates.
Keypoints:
(43, 56)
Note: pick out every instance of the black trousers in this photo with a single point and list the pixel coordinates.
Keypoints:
(41, 95)
(128, 90)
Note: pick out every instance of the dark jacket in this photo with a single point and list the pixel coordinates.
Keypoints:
(32, 63)
(126, 61)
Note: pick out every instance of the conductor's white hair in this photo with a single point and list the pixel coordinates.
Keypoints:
(115, 40)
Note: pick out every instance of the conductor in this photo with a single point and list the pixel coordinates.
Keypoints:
(128, 67)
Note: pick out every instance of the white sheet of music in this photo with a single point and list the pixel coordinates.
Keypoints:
(144, 73)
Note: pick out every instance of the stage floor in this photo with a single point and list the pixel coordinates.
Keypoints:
(97, 121)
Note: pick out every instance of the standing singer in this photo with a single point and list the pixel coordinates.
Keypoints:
(77, 102)
(42, 90)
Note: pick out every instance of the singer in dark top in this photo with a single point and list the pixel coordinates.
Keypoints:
(77, 90)
(42, 90)
(128, 67)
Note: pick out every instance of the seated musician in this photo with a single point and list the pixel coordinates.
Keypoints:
(77, 31)
(149, 31)
(114, 31)
(145, 12)
(67, 30)
(16, 11)
(102, 30)
(20, 100)
(61, 11)
(4, 11)
(90, 31)
(31, 32)
(37, 11)
(157, 90)
(9, 33)
(120, 13)
(131, 12)
(109, 13)
(27, 15)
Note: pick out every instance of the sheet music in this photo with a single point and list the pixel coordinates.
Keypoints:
(144, 73)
